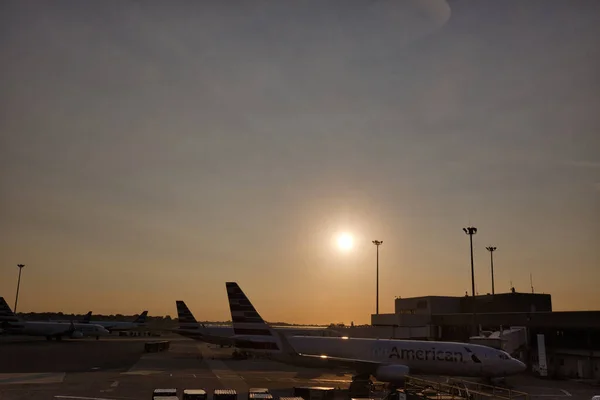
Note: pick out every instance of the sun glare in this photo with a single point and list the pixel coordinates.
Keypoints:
(345, 241)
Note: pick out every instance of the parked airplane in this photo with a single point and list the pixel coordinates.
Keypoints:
(389, 360)
(12, 324)
(116, 326)
(221, 334)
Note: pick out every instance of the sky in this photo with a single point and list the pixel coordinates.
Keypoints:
(151, 151)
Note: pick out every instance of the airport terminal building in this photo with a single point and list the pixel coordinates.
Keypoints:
(570, 340)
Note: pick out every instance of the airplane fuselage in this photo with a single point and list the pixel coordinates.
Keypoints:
(116, 326)
(424, 357)
(43, 328)
(223, 334)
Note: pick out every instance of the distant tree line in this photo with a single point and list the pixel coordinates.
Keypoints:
(159, 321)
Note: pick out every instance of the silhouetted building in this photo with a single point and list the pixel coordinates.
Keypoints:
(572, 338)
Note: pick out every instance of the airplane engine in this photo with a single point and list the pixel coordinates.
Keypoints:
(391, 373)
(77, 334)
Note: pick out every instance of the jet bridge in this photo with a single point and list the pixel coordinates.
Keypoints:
(510, 340)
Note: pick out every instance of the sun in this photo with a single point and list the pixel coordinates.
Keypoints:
(345, 241)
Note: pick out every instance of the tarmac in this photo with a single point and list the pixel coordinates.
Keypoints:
(117, 368)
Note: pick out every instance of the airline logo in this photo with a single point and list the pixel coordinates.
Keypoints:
(432, 354)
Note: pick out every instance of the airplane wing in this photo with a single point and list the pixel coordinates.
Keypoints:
(349, 363)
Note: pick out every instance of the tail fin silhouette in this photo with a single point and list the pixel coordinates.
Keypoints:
(185, 316)
(6, 314)
(251, 330)
(87, 318)
(141, 319)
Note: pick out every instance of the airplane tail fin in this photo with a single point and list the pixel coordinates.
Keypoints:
(87, 318)
(141, 319)
(6, 314)
(185, 316)
(250, 330)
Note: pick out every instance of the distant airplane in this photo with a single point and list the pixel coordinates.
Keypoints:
(221, 334)
(117, 326)
(12, 324)
(388, 360)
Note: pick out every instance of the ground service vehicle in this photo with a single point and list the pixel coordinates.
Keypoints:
(168, 393)
(260, 396)
(314, 392)
(194, 394)
(224, 394)
(254, 391)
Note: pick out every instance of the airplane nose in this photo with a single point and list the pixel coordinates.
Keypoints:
(519, 366)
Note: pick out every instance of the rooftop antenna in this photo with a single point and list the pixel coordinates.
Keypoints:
(531, 282)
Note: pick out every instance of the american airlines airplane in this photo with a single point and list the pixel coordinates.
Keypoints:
(116, 326)
(222, 334)
(388, 360)
(12, 324)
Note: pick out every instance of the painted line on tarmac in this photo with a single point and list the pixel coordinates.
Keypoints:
(92, 398)
(84, 398)
(39, 378)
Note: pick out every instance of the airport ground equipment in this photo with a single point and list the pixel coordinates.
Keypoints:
(170, 393)
(165, 398)
(194, 394)
(361, 387)
(291, 398)
(225, 394)
(260, 396)
(155, 347)
(417, 388)
(314, 392)
(259, 393)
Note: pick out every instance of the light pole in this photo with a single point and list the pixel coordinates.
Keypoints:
(471, 230)
(377, 243)
(491, 249)
(18, 285)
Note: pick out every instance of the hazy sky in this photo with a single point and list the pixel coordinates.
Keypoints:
(152, 150)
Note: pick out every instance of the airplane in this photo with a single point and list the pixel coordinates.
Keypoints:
(388, 360)
(221, 334)
(12, 324)
(116, 326)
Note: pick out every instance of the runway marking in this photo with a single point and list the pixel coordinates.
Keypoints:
(227, 377)
(91, 398)
(39, 378)
(194, 375)
(81, 398)
(114, 384)
(566, 393)
(142, 372)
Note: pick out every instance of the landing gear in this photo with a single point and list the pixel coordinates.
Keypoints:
(361, 386)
